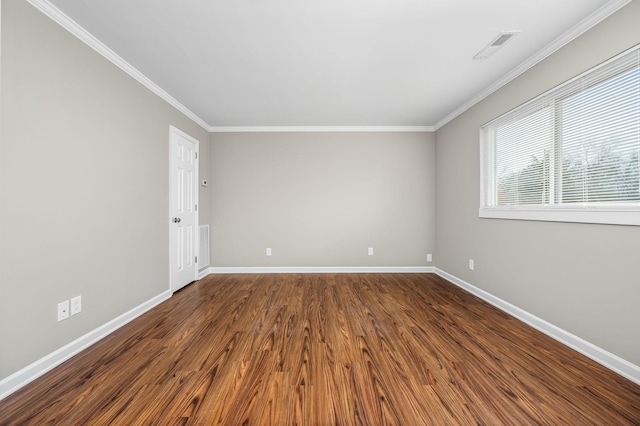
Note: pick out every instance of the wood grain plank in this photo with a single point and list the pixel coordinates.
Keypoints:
(325, 349)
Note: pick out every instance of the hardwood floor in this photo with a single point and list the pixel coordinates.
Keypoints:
(325, 349)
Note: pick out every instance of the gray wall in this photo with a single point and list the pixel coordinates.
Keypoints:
(320, 199)
(84, 189)
(583, 278)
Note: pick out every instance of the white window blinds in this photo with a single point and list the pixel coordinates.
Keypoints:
(574, 148)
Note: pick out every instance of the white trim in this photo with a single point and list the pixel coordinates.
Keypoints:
(203, 273)
(74, 28)
(630, 216)
(586, 24)
(318, 129)
(601, 356)
(36, 369)
(321, 270)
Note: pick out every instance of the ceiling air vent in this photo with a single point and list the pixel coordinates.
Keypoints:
(499, 41)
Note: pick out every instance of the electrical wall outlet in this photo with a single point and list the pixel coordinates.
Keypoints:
(63, 310)
(429, 258)
(76, 305)
(471, 264)
(268, 251)
(370, 251)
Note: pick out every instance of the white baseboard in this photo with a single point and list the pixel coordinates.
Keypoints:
(599, 355)
(31, 372)
(322, 270)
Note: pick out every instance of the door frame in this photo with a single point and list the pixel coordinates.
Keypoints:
(196, 239)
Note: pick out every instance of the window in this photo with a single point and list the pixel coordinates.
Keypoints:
(572, 154)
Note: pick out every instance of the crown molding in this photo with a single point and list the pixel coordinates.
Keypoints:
(77, 30)
(586, 24)
(302, 129)
(74, 28)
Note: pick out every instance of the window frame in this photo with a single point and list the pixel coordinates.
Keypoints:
(627, 213)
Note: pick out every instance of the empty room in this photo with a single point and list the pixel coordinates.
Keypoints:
(320, 212)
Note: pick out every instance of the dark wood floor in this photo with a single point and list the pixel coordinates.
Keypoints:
(370, 349)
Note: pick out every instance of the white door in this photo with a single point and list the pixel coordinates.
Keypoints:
(183, 194)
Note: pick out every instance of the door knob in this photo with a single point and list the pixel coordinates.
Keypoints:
(176, 219)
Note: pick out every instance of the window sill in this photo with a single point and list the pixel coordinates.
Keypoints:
(605, 215)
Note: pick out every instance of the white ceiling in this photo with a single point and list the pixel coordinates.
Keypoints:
(248, 63)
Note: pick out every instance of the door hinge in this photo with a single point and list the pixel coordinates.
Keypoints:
(196, 207)
(196, 259)
(196, 155)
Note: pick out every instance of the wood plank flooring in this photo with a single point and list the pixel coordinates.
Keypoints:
(325, 349)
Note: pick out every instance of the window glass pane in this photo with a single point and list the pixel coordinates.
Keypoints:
(523, 149)
(599, 137)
